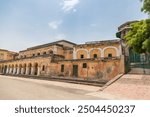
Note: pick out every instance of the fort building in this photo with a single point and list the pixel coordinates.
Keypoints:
(6, 55)
(92, 60)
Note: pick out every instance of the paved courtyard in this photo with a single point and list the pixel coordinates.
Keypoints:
(129, 86)
(23, 88)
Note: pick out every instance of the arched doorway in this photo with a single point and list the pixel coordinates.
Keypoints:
(24, 69)
(5, 69)
(30, 67)
(12, 69)
(36, 69)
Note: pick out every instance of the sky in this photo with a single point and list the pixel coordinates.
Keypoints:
(27, 23)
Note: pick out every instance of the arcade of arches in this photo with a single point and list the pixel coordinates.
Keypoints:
(102, 60)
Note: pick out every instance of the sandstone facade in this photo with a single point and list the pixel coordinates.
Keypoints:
(93, 60)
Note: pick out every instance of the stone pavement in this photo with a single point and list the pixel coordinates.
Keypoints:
(129, 86)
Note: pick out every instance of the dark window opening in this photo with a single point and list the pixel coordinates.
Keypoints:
(43, 68)
(62, 68)
(38, 54)
(110, 55)
(95, 55)
(82, 56)
(84, 65)
(33, 54)
(44, 53)
(51, 52)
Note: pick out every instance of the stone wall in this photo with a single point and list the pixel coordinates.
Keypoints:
(92, 68)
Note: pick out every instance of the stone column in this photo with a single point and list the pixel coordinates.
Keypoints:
(18, 69)
(22, 71)
(74, 53)
(27, 71)
(88, 54)
(102, 54)
(7, 71)
(10, 70)
(14, 70)
(39, 70)
(32, 70)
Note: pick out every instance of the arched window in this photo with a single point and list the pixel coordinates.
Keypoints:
(44, 53)
(33, 55)
(38, 54)
(50, 52)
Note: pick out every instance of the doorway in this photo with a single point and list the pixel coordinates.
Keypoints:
(75, 70)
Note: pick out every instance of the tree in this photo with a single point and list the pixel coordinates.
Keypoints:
(146, 6)
(138, 37)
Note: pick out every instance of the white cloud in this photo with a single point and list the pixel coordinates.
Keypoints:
(54, 24)
(69, 5)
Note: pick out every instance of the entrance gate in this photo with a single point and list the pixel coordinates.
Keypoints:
(139, 63)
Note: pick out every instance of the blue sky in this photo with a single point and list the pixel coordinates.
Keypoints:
(27, 23)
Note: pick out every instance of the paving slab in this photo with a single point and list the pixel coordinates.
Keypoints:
(130, 87)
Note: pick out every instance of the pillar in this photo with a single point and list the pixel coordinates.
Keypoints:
(10, 70)
(27, 71)
(102, 54)
(88, 54)
(32, 70)
(14, 70)
(22, 71)
(39, 70)
(74, 53)
(7, 71)
(18, 69)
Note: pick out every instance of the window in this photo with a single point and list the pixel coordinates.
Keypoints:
(84, 65)
(44, 53)
(33, 54)
(51, 52)
(82, 56)
(110, 55)
(43, 68)
(62, 68)
(95, 55)
(38, 54)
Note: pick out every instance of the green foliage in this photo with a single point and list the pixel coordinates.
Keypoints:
(146, 6)
(118, 34)
(139, 36)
